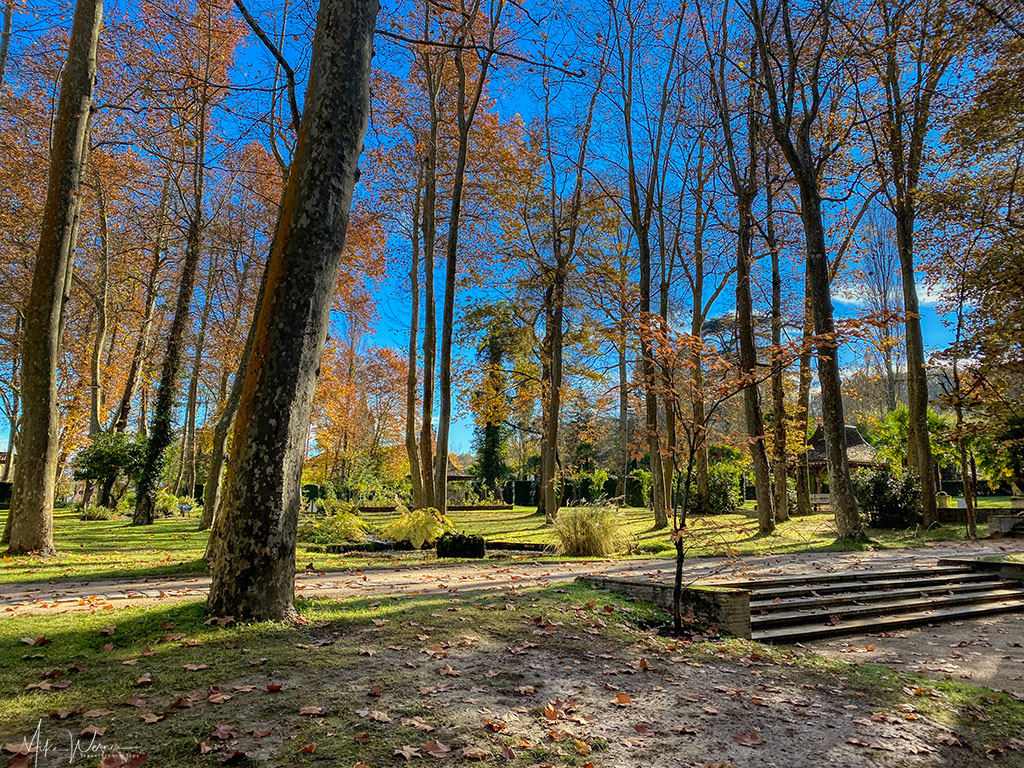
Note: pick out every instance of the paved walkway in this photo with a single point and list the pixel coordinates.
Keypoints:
(434, 578)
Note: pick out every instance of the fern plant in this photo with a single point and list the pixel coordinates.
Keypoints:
(418, 527)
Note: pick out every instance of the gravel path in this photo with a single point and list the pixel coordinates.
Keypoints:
(427, 578)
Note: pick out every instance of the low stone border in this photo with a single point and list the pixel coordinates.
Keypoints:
(519, 546)
(724, 607)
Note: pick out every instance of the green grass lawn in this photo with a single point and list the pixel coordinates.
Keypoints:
(734, 534)
(110, 549)
(107, 549)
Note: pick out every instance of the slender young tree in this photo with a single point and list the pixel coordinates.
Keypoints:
(744, 184)
(254, 558)
(793, 53)
(468, 97)
(35, 474)
(907, 48)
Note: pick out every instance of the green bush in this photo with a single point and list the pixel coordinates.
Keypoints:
(638, 488)
(888, 500)
(332, 529)
(95, 512)
(418, 527)
(589, 531)
(126, 504)
(724, 495)
(461, 545)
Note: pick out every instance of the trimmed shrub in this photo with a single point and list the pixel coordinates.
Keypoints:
(461, 545)
(888, 500)
(418, 527)
(589, 531)
(638, 488)
(332, 529)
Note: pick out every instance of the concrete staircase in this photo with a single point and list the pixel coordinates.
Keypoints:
(794, 608)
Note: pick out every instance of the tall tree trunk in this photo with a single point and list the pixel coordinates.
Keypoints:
(668, 387)
(465, 114)
(623, 411)
(35, 473)
(555, 313)
(254, 559)
(131, 384)
(426, 447)
(917, 374)
(844, 505)
(780, 469)
(212, 493)
(99, 297)
(648, 362)
(415, 470)
(803, 410)
(5, 38)
(12, 434)
(188, 456)
(161, 429)
(752, 415)
(699, 496)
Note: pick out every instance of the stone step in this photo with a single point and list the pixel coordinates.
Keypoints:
(809, 587)
(872, 624)
(854, 611)
(760, 605)
(829, 577)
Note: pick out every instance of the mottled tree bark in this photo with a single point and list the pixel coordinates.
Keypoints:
(698, 496)
(35, 473)
(254, 558)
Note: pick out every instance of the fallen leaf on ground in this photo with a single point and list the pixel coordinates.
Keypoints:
(408, 752)
(748, 739)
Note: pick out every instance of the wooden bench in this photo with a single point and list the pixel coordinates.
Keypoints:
(819, 500)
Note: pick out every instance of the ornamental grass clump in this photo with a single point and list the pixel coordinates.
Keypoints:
(589, 531)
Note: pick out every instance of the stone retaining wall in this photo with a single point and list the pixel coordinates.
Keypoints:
(728, 609)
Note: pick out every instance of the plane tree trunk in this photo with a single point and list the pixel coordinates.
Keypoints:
(35, 473)
(254, 557)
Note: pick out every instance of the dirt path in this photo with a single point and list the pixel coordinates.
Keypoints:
(426, 578)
